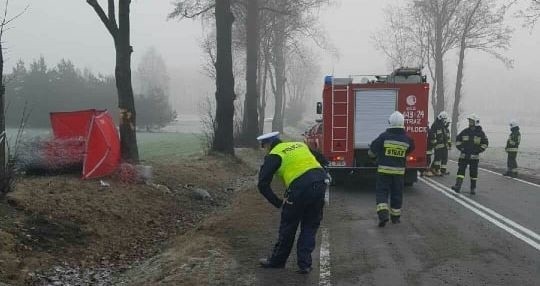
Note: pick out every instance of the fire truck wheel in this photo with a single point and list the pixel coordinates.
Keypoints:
(337, 179)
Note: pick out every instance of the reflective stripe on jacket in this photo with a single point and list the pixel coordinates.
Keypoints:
(391, 149)
(439, 135)
(471, 142)
(512, 144)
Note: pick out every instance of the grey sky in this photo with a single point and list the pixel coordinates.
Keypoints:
(71, 30)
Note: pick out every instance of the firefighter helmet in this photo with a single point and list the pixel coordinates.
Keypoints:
(396, 120)
(474, 118)
(514, 123)
(443, 115)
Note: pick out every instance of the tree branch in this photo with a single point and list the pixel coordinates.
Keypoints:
(113, 30)
(112, 14)
(183, 13)
(6, 21)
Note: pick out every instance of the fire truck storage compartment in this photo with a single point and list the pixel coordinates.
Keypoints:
(373, 107)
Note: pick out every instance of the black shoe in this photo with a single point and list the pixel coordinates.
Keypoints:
(506, 174)
(456, 189)
(514, 175)
(304, 270)
(383, 217)
(265, 263)
(395, 219)
(473, 192)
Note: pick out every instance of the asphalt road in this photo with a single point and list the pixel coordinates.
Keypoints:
(491, 238)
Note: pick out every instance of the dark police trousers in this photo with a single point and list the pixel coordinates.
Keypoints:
(473, 170)
(512, 162)
(304, 207)
(390, 185)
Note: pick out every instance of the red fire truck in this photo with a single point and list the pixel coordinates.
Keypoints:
(355, 111)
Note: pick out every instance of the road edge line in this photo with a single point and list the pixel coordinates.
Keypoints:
(324, 259)
(493, 213)
(482, 214)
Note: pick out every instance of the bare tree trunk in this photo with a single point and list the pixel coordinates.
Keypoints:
(439, 67)
(279, 68)
(434, 87)
(460, 68)
(126, 102)
(263, 82)
(121, 35)
(459, 84)
(223, 139)
(250, 127)
(3, 135)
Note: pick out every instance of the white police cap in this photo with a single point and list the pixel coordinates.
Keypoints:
(268, 136)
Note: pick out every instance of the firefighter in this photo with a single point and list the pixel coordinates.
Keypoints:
(440, 142)
(448, 147)
(302, 171)
(512, 145)
(471, 142)
(429, 152)
(391, 149)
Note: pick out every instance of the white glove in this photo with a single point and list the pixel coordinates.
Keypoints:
(328, 179)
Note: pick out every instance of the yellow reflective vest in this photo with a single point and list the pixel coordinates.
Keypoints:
(296, 159)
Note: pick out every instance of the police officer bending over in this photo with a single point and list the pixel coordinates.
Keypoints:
(391, 149)
(302, 172)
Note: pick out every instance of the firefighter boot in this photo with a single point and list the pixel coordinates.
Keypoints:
(444, 172)
(473, 187)
(507, 173)
(395, 219)
(383, 217)
(457, 186)
(428, 173)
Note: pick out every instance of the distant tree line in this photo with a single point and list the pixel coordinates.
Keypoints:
(64, 87)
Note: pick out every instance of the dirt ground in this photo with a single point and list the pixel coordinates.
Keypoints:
(165, 233)
(223, 249)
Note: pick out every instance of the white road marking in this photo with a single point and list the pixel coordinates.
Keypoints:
(460, 200)
(492, 213)
(324, 271)
(498, 174)
(324, 258)
(327, 195)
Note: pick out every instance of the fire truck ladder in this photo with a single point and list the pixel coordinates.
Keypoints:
(340, 98)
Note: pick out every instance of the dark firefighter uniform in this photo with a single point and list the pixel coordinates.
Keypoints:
(448, 145)
(440, 146)
(302, 172)
(512, 145)
(391, 149)
(429, 152)
(471, 142)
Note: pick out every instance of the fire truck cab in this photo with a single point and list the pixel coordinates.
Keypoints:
(355, 111)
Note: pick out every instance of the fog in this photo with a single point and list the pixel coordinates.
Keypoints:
(70, 29)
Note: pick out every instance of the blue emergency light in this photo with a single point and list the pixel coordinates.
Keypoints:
(328, 79)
